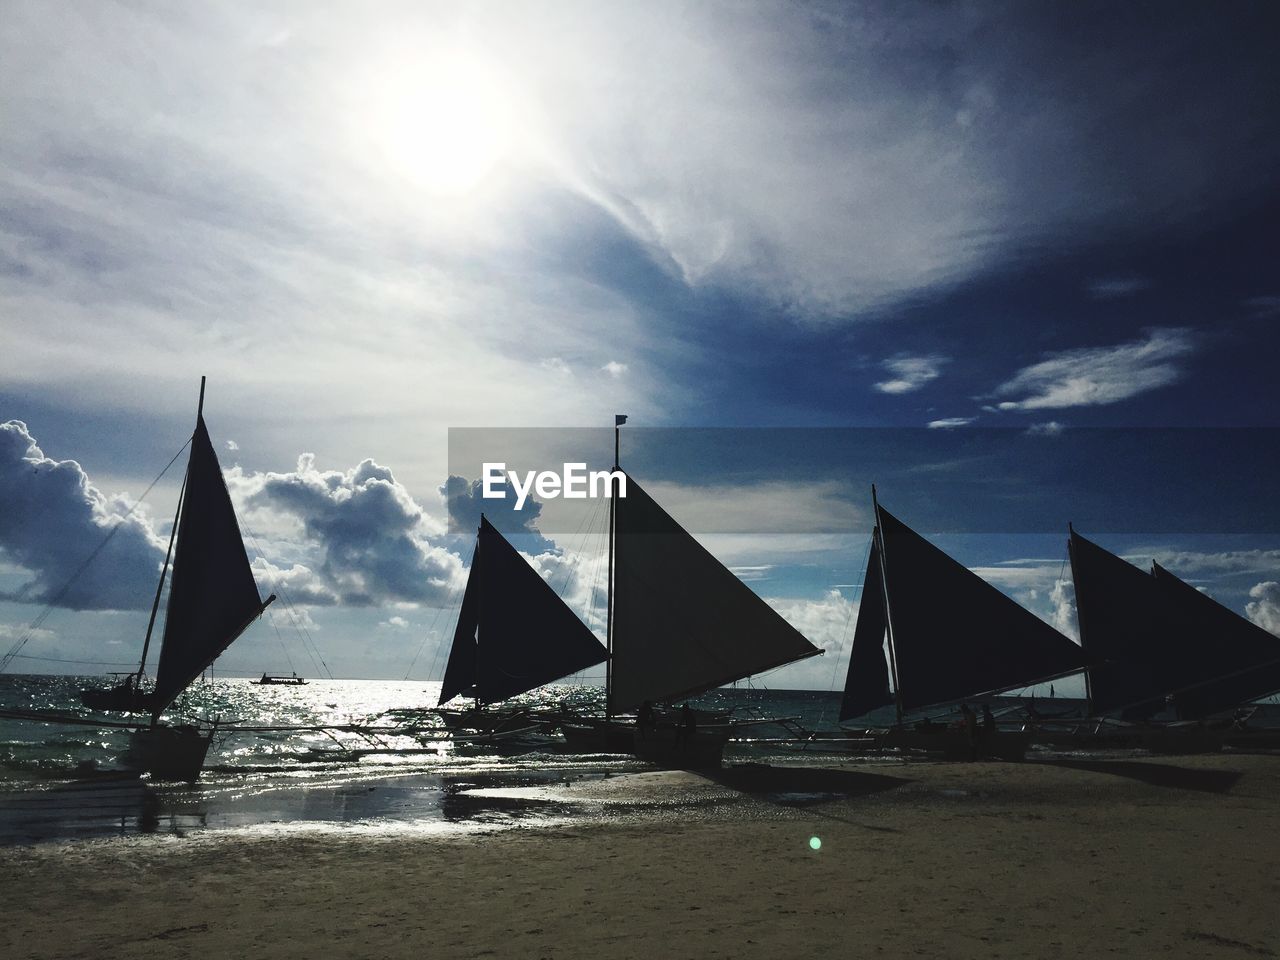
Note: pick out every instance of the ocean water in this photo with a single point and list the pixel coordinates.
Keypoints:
(360, 752)
(355, 754)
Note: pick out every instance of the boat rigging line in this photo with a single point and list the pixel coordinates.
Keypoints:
(35, 624)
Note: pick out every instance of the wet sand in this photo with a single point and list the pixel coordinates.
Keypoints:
(1170, 857)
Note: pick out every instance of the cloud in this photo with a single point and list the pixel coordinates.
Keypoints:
(1191, 562)
(614, 368)
(1039, 586)
(465, 502)
(299, 583)
(1111, 288)
(232, 446)
(372, 541)
(1063, 615)
(1264, 608)
(578, 578)
(828, 624)
(54, 518)
(817, 506)
(557, 366)
(397, 623)
(1051, 428)
(949, 423)
(1093, 376)
(911, 373)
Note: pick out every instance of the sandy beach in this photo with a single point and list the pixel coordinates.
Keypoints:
(1123, 857)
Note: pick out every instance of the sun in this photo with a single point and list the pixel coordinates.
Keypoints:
(444, 123)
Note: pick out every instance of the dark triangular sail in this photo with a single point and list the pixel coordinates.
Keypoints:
(682, 622)
(1227, 660)
(212, 597)
(866, 687)
(460, 672)
(514, 629)
(954, 635)
(1123, 632)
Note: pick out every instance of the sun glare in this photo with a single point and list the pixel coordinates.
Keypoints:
(444, 123)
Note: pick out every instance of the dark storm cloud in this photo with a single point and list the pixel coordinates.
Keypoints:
(53, 518)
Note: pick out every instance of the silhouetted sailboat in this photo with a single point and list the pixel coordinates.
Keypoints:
(212, 600)
(951, 636)
(514, 633)
(279, 680)
(1157, 642)
(679, 624)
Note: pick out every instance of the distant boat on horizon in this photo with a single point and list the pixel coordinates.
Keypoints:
(271, 680)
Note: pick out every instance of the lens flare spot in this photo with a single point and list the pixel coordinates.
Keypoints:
(815, 843)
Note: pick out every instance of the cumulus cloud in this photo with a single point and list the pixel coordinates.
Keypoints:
(372, 541)
(1039, 586)
(1264, 607)
(1062, 599)
(578, 578)
(828, 624)
(1093, 376)
(465, 502)
(911, 373)
(950, 423)
(614, 368)
(52, 520)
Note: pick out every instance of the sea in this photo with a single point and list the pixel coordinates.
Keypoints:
(346, 752)
(358, 754)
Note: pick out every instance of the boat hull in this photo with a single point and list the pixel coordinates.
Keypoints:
(664, 746)
(123, 697)
(169, 752)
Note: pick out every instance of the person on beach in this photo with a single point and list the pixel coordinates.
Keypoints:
(969, 729)
(988, 721)
(688, 725)
(644, 720)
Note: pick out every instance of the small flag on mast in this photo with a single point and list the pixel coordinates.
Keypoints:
(619, 419)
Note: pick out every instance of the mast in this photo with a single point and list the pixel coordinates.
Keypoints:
(877, 534)
(618, 421)
(1088, 673)
(173, 534)
(164, 571)
(475, 566)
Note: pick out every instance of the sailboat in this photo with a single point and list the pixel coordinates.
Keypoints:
(1157, 643)
(213, 598)
(679, 623)
(951, 636)
(514, 634)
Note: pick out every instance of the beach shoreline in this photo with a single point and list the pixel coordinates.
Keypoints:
(1131, 857)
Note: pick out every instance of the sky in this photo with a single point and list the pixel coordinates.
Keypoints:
(368, 225)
